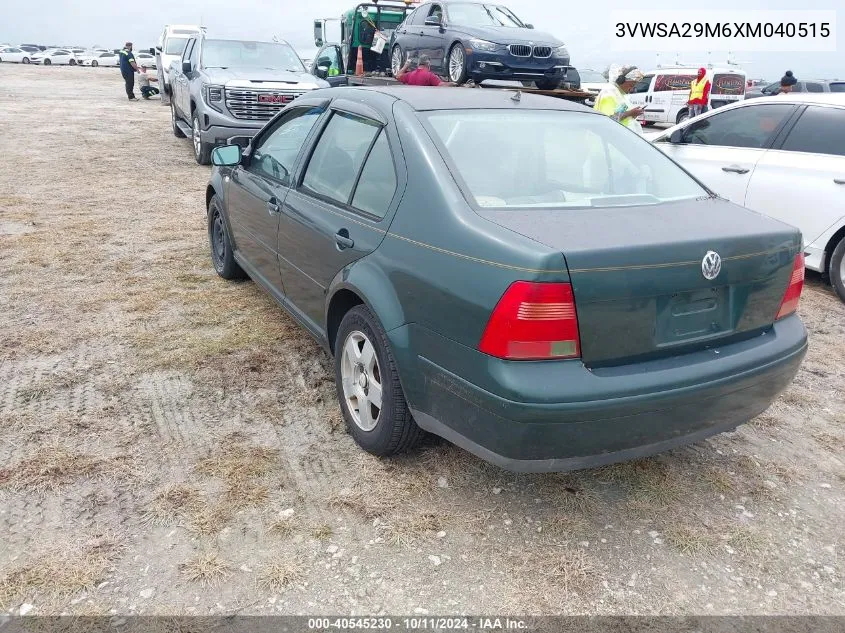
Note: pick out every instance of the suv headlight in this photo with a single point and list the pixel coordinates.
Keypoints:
(212, 95)
(483, 45)
(561, 51)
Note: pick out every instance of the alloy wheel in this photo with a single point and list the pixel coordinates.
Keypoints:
(842, 269)
(361, 377)
(196, 137)
(456, 63)
(396, 60)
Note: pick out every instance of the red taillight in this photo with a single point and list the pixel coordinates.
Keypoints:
(789, 304)
(533, 321)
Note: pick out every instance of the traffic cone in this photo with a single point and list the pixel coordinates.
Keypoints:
(359, 63)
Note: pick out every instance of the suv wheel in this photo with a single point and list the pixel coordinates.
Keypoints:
(457, 64)
(368, 387)
(222, 255)
(202, 150)
(837, 269)
(177, 132)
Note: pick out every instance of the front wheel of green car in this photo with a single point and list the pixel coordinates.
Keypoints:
(368, 388)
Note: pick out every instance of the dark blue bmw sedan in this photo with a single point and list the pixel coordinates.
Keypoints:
(479, 41)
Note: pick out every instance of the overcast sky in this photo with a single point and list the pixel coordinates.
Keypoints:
(584, 26)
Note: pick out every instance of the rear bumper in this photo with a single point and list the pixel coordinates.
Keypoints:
(577, 418)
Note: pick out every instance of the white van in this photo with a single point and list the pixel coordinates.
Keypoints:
(665, 92)
(170, 47)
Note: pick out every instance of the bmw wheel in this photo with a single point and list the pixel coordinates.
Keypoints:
(457, 64)
(202, 150)
(397, 59)
(222, 255)
(371, 397)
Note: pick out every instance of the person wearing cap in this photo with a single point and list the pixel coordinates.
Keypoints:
(128, 68)
(421, 75)
(699, 94)
(787, 82)
(614, 103)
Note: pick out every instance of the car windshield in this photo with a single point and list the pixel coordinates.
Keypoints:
(555, 159)
(471, 14)
(591, 77)
(175, 45)
(226, 53)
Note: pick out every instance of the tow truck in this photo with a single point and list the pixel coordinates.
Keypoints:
(368, 27)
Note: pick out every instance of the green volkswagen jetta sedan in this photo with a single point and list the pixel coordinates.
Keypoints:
(517, 274)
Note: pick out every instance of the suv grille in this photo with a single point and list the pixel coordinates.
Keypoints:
(520, 50)
(542, 51)
(258, 105)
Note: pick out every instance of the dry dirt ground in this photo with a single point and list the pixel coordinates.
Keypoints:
(171, 443)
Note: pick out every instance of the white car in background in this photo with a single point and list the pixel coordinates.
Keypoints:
(15, 55)
(783, 156)
(54, 56)
(145, 59)
(104, 58)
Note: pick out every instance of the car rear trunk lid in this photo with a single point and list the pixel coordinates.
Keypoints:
(639, 279)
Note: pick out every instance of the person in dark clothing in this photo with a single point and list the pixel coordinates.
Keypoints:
(786, 84)
(128, 68)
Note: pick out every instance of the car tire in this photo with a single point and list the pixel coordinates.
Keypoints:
(362, 348)
(397, 59)
(220, 244)
(548, 84)
(683, 115)
(837, 269)
(456, 64)
(202, 150)
(47, 62)
(177, 131)
(72, 62)
(25, 60)
(95, 63)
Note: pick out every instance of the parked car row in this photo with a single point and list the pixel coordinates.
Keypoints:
(70, 56)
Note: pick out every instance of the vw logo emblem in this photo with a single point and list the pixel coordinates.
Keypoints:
(711, 265)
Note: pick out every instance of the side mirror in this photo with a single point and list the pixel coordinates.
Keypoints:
(677, 137)
(186, 68)
(433, 20)
(322, 71)
(529, 26)
(226, 156)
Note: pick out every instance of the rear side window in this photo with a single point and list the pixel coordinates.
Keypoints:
(838, 86)
(727, 84)
(819, 131)
(377, 184)
(750, 127)
(339, 156)
(814, 87)
(641, 86)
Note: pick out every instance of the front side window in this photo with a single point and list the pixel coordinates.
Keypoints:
(641, 86)
(837, 86)
(339, 155)
(751, 126)
(555, 159)
(195, 54)
(818, 131)
(814, 87)
(237, 54)
(276, 152)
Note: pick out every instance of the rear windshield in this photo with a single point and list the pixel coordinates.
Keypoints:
(175, 45)
(236, 54)
(728, 84)
(536, 158)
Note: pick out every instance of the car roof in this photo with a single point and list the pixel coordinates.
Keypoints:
(819, 98)
(424, 98)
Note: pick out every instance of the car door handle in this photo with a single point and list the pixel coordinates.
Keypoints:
(839, 181)
(273, 207)
(736, 169)
(343, 240)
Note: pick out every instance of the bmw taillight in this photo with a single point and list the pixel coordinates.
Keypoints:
(789, 303)
(533, 321)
